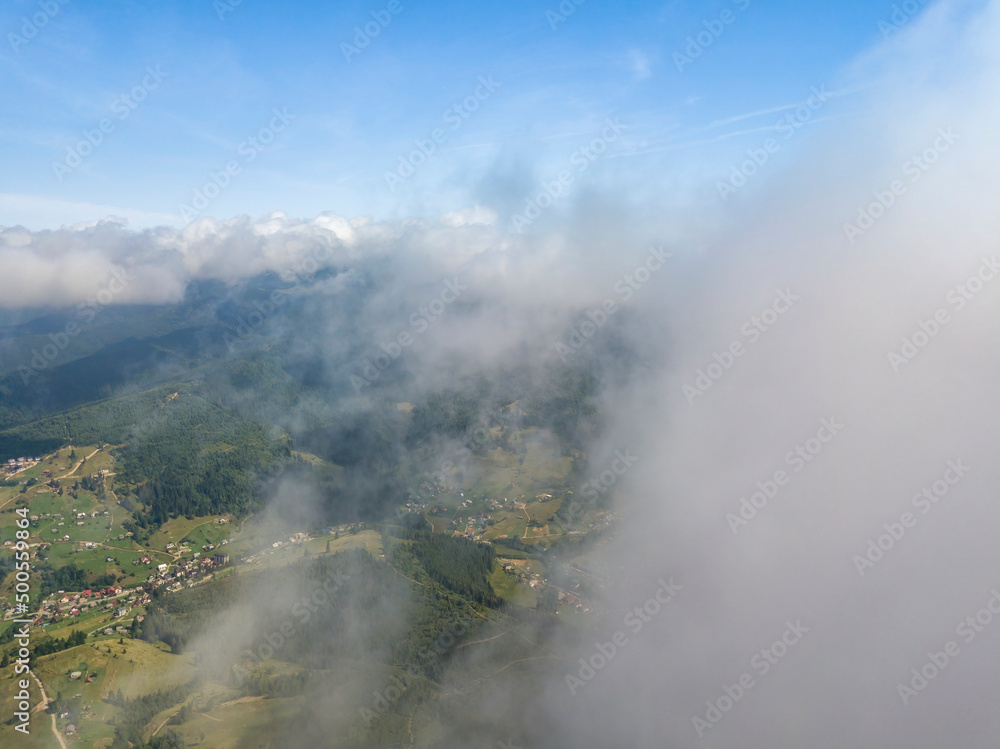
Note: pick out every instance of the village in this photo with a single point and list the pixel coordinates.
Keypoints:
(173, 577)
(85, 527)
(14, 466)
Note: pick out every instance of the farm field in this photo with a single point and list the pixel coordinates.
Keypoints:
(86, 532)
(134, 667)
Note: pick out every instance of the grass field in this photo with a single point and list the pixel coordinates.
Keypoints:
(370, 541)
(511, 591)
(264, 720)
(543, 468)
(46, 503)
(177, 529)
(135, 668)
(210, 532)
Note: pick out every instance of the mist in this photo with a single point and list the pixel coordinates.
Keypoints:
(797, 415)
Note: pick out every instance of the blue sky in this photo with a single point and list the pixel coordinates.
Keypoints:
(221, 79)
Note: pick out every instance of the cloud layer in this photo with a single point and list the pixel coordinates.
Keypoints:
(815, 425)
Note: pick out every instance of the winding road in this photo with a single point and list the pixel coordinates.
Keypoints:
(45, 703)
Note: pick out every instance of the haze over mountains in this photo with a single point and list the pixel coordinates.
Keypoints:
(766, 402)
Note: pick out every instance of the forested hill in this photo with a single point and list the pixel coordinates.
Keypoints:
(178, 454)
(202, 410)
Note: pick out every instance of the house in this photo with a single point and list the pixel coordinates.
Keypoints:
(220, 559)
(121, 611)
(161, 568)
